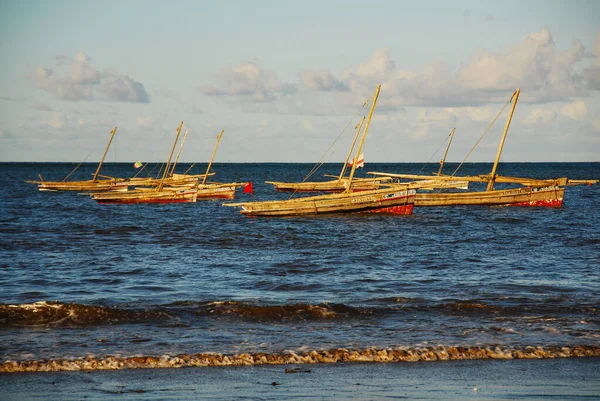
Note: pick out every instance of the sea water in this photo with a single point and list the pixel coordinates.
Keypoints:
(79, 279)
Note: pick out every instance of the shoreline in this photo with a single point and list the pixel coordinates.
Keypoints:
(546, 379)
(385, 355)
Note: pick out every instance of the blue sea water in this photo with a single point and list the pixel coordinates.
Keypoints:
(78, 278)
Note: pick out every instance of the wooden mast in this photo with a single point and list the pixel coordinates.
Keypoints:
(162, 181)
(362, 139)
(112, 135)
(213, 156)
(359, 126)
(514, 99)
(446, 154)
(178, 153)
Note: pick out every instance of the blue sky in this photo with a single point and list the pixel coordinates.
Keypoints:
(285, 78)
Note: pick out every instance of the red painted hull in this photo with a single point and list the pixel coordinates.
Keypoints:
(401, 209)
(541, 203)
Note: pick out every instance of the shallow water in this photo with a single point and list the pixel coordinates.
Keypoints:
(80, 279)
(557, 379)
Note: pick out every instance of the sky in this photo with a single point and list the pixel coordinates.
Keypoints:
(287, 80)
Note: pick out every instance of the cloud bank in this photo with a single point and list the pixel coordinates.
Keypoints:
(544, 73)
(82, 81)
(248, 81)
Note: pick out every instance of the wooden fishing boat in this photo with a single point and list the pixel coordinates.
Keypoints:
(534, 192)
(186, 190)
(340, 184)
(97, 183)
(147, 196)
(172, 179)
(549, 196)
(216, 190)
(159, 194)
(395, 199)
(115, 184)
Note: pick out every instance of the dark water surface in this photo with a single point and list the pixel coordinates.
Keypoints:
(80, 279)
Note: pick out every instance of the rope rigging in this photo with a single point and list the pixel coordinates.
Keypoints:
(478, 141)
(321, 161)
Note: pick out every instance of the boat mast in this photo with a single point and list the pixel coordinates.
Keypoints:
(162, 181)
(362, 139)
(178, 153)
(112, 135)
(359, 126)
(446, 154)
(213, 156)
(514, 99)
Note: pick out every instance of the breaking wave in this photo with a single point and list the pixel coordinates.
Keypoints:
(389, 355)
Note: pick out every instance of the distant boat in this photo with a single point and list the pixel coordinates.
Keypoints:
(95, 184)
(172, 179)
(534, 192)
(396, 199)
(159, 194)
(172, 192)
(341, 184)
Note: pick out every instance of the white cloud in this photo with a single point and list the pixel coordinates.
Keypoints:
(543, 72)
(553, 112)
(61, 122)
(322, 80)
(248, 81)
(592, 74)
(122, 87)
(81, 81)
(380, 66)
(540, 115)
(575, 110)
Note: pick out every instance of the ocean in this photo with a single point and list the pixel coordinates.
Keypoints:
(115, 285)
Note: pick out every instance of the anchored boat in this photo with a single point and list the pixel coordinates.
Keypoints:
(396, 199)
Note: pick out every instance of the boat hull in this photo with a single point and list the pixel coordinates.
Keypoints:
(83, 186)
(135, 197)
(217, 193)
(328, 186)
(388, 200)
(551, 196)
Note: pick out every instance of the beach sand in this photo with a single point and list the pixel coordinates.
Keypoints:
(547, 379)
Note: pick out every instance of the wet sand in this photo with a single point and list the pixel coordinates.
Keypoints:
(539, 379)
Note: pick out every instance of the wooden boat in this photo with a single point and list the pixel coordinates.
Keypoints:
(159, 194)
(147, 196)
(172, 179)
(550, 196)
(394, 199)
(534, 192)
(95, 184)
(340, 184)
(171, 192)
(216, 190)
(428, 183)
